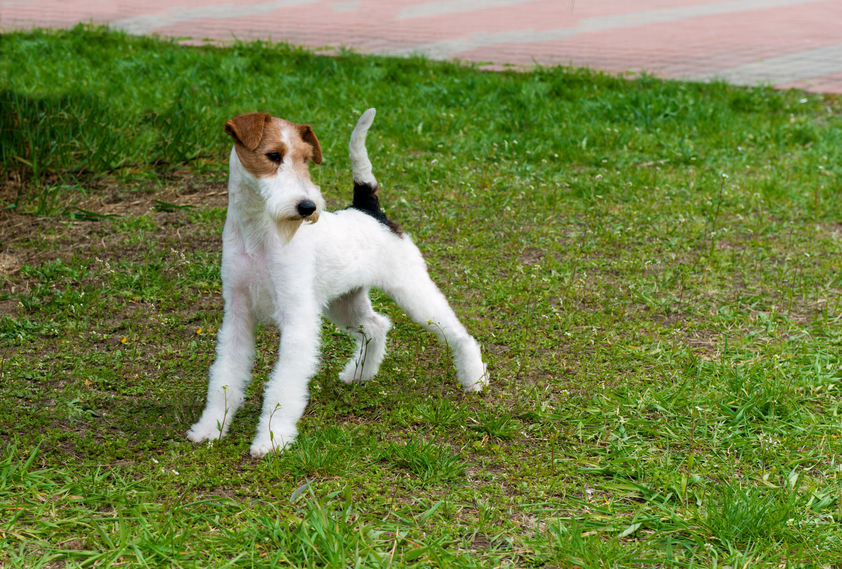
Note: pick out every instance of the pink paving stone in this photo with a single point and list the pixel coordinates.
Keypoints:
(371, 24)
(672, 38)
(685, 47)
(822, 84)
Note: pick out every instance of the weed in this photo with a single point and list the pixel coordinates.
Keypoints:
(431, 463)
(495, 423)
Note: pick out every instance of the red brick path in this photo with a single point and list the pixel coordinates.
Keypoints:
(786, 43)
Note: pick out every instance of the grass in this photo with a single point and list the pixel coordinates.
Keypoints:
(652, 267)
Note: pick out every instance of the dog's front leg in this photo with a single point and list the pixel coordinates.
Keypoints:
(286, 391)
(231, 371)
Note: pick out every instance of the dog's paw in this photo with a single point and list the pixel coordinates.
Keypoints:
(475, 382)
(202, 431)
(355, 373)
(263, 445)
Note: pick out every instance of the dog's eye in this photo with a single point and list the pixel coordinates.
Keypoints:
(274, 157)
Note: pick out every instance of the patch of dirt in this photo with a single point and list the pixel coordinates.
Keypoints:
(116, 200)
(109, 196)
(9, 307)
(8, 263)
(84, 222)
(531, 256)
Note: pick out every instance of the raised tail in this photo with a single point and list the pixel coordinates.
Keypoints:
(365, 184)
(360, 163)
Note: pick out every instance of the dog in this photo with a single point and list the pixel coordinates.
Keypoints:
(286, 261)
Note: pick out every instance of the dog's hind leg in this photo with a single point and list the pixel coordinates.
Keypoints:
(422, 300)
(353, 313)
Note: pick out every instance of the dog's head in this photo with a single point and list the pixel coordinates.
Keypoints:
(275, 155)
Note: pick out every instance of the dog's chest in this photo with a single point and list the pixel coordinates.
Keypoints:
(278, 283)
(263, 271)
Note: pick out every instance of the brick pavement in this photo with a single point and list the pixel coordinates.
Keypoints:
(786, 43)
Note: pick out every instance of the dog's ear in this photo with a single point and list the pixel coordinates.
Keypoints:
(308, 136)
(248, 129)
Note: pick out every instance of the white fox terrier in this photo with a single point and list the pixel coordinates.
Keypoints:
(277, 269)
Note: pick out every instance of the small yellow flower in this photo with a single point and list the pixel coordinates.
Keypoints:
(198, 330)
(123, 340)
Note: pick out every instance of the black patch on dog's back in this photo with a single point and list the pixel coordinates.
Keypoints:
(366, 200)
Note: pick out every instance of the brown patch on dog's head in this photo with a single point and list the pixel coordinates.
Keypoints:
(308, 136)
(248, 129)
(263, 142)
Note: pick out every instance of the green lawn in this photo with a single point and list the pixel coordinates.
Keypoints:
(653, 269)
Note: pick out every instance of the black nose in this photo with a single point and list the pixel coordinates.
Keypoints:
(305, 208)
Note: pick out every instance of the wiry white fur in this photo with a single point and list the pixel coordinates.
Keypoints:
(289, 280)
